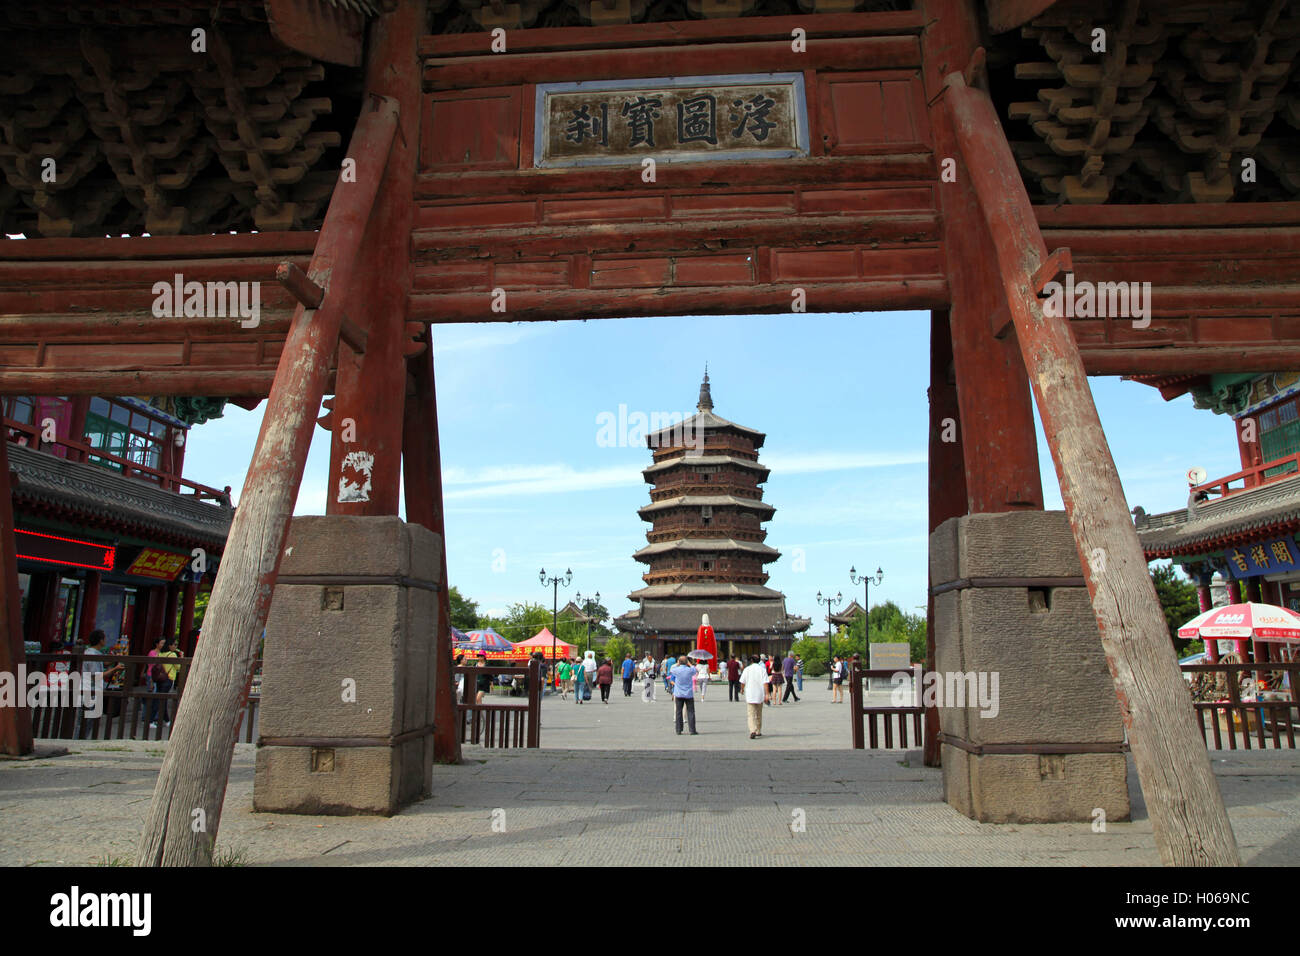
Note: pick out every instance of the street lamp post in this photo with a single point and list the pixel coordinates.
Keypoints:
(555, 602)
(866, 580)
(830, 648)
(582, 603)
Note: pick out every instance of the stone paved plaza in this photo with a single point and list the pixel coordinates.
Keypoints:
(613, 785)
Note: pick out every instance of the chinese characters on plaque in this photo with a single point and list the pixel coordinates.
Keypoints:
(1264, 557)
(671, 120)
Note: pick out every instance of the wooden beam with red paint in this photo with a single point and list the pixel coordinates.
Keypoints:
(1188, 815)
(371, 388)
(495, 69)
(422, 477)
(679, 32)
(996, 439)
(197, 766)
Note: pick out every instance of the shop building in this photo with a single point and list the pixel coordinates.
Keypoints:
(1240, 528)
(109, 535)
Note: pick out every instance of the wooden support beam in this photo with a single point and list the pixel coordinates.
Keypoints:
(1188, 360)
(168, 381)
(197, 766)
(1187, 810)
(947, 482)
(16, 721)
(996, 437)
(422, 474)
(769, 298)
(311, 295)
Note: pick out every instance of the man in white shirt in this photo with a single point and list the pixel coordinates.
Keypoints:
(754, 680)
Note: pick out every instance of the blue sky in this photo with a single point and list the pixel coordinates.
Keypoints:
(842, 399)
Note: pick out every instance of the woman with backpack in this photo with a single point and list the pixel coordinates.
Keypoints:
(581, 688)
(163, 678)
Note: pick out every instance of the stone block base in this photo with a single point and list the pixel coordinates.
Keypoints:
(349, 668)
(1035, 788)
(342, 781)
(1010, 603)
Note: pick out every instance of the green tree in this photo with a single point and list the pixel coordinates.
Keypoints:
(1177, 597)
(201, 607)
(464, 612)
(617, 646)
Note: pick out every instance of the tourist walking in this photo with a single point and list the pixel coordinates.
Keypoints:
(580, 685)
(733, 679)
(778, 679)
(787, 671)
(767, 687)
(701, 679)
(754, 680)
(648, 679)
(604, 678)
(798, 670)
(563, 673)
(682, 677)
(629, 666)
(664, 668)
(837, 680)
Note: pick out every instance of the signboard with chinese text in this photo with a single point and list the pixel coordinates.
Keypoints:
(671, 119)
(1264, 557)
(63, 551)
(163, 565)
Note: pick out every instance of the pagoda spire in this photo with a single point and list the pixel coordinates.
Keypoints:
(706, 397)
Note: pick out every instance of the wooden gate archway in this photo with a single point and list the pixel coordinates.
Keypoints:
(905, 194)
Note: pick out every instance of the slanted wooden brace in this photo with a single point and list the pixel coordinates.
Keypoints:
(203, 737)
(1188, 815)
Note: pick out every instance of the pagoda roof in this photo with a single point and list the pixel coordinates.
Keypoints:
(1205, 526)
(705, 421)
(706, 544)
(109, 499)
(846, 616)
(699, 501)
(668, 463)
(727, 617)
(704, 591)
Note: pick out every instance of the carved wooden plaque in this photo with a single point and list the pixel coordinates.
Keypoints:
(672, 119)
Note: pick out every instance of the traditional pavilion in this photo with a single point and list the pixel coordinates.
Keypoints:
(706, 552)
(1243, 526)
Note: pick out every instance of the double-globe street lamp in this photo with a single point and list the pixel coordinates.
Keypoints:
(867, 580)
(586, 614)
(555, 602)
(830, 650)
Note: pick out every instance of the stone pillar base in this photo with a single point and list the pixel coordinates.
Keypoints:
(349, 669)
(1010, 606)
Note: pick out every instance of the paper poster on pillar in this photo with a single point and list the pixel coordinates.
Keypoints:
(354, 482)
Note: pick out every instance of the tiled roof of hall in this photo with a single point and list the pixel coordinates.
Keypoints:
(705, 591)
(1272, 508)
(697, 501)
(104, 498)
(704, 421)
(707, 545)
(659, 467)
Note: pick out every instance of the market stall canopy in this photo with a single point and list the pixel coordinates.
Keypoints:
(1263, 622)
(484, 640)
(542, 641)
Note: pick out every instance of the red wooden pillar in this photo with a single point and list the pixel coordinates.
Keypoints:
(947, 480)
(169, 612)
(42, 601)
(187, 617)
(80, 407)
(371, 388)
(422, 463)
(15, 722)
(89, 604)
(996, 437)
(1234, 592)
